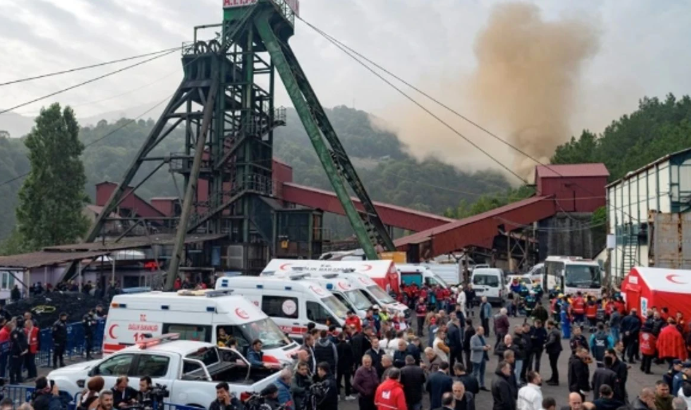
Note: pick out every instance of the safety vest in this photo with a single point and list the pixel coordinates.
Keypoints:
(647, 342)
(591, 310)
(599, 346)
(578, 306)
(32, 339)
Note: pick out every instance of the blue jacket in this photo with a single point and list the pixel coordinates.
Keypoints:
(255, 358)
(486, 312)
(284, 396)
(677, 382)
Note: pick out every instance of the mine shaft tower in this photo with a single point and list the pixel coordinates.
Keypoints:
(225, 104)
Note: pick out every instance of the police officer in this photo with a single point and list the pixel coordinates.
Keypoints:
(89, 323)
(59, 332)
(600, 341)
(18, 349)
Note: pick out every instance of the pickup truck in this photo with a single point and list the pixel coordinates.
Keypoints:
(190, 370)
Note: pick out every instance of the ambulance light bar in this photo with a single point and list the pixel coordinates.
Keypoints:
(299, 276)
(148, 342)
(330, 275)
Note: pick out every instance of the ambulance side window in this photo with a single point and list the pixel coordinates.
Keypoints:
(189, 332)
(280, 306)
(316, 313)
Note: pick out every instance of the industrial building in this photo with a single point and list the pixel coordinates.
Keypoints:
(647, 214)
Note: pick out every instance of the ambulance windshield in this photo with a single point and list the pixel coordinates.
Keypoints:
(379, 293)
(358, 299)
(265, 330)
(335, 305)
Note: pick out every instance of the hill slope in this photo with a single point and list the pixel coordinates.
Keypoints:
(389, 174)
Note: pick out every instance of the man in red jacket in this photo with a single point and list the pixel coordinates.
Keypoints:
(670, 343)
(353, 320)
(390, 395)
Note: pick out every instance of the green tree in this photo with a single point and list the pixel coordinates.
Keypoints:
(52, 197)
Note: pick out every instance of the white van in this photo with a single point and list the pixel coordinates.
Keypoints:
(291, 302)
(350, 296)
(195, 315)
(419, 274)
(489, 282)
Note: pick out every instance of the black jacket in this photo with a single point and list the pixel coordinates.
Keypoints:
(299, 387)
(453, 335)
(631, 324)
(123, 397)
(470, 383)
(89, 323)
(469, 332)
(60, 333)
(217, 405)
(414, 351)
(607, 404)
(413, 380)
(602, 376)
(468, 402)
(376, 360)
(438, 384)
(399, 358)
(325, 351)
(519, 346)
(360, 344)
(346, 358)
(504, 394)
(578, 375)
(46, 401)
(18, 342)
(538, 337)
(637, 404)
(553, 343)
(622, 372)
(330, 399)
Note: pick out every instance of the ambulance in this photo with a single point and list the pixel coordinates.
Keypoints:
(340, 286)
(352, 271)
(291, 302)
(382, 272)
(195, 315)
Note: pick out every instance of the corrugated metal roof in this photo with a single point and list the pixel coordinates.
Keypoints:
(420, 237)
(572, 170)
(43, 258)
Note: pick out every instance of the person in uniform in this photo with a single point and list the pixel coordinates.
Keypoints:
(32, 340)
(18, 349)
(59, 333)
(89, 323)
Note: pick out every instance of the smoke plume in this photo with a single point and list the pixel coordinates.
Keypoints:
(524, 88)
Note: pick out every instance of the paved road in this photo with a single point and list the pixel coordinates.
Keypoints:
(637, 379)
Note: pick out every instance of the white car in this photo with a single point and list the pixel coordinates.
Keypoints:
(189, 370)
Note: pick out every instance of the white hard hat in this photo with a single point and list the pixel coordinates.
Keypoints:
(375, 307)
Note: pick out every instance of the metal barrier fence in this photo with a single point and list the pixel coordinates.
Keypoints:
(75, 345)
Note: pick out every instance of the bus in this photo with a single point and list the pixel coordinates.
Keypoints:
(572, 274)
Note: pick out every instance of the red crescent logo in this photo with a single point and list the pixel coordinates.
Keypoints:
(367, 267)
(110, 331)
(317, 290)
(241, 313)
(671, 279)
(284, 266)
(343, 286)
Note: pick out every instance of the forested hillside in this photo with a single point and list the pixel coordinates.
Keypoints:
(656, 129)
(388, 172)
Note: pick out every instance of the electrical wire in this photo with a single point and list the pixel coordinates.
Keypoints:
(72, 70)
(86, 82)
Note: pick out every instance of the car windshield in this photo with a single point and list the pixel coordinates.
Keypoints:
(265, 330)
(207, 355)
(582, 276)
(358, 299)
(335, 306)
(379, 293)
(436, 280)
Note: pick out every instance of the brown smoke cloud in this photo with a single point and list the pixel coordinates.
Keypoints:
(524, 89)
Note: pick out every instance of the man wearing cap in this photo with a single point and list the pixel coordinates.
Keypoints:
(671, 374)
(59, 332)
(630, 327)
(681, 377)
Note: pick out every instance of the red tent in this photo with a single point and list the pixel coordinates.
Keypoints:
(644, 288)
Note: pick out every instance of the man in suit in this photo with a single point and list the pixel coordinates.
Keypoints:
(479, 355)
(447, 402)
(122, 393)
(439, 383)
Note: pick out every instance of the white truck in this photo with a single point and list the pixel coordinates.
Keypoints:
(189, 370)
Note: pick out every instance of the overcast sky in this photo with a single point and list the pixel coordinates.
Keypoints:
(644, 49)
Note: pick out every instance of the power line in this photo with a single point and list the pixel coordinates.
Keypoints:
(414, 101)
(72, 70)
(86, 82)
(87, 146)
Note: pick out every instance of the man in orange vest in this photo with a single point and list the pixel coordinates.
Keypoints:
(579, 309)
(33, 341)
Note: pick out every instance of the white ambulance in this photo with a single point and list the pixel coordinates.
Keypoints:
(337, 284)
(195, 315)
(291, 302)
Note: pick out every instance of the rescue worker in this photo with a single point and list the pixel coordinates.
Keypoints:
(32, 339)
(565, 322)
(59, 333)
(89, 323)
(421, 313)
(578, 309)
(529, 303)
(600, 341)
(591, 314)
(18, 349)
(578, 340)
(647, 343)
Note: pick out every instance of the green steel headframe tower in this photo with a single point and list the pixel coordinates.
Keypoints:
(225, 103)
